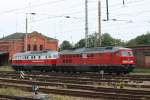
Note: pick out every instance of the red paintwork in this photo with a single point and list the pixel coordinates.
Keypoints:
(35, 62)
(110, 58)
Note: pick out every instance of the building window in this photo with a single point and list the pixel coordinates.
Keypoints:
(35, 47)
(41, 47)
(29, 47)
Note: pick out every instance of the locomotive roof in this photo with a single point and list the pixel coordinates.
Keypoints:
(32, 53)
(93, 50)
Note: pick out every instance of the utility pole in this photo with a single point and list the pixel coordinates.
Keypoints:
(99, 23)
(123, 2)
(98, 35)
(26, 36)
(86, 23)
(107, 13)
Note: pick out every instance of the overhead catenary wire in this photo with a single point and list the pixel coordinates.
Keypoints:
(33, 6)
(134, 2)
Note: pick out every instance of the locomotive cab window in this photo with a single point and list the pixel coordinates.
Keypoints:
(126, 53)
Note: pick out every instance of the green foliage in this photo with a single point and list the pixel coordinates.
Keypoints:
(80, 44)
(140, 40)
(65, 45)
(141, 70)
(107, 40)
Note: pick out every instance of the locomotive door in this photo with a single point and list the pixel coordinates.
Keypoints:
(84, 59)
(107, 59)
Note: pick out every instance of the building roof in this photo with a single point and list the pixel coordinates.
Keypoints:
(21, 36)
(14, 36)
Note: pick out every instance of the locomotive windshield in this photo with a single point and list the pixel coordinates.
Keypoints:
(126, 53)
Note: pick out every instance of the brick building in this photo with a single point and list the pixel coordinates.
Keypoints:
(35, 42)
(142, 54)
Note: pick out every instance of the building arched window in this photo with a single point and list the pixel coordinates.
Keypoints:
(35, 47)
(29, 47)
(41, 47)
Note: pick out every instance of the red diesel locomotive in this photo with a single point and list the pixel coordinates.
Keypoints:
(109, 59)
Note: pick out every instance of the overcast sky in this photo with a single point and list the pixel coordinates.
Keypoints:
(133, 18)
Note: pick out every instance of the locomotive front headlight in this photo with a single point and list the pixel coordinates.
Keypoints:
(127, 61)
(131, 61)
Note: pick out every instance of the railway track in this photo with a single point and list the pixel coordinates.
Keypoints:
(76, 80)
(80, 90)
(73, 85)
(107, 78)
(54, 80)
(94, 76)
(83, 93)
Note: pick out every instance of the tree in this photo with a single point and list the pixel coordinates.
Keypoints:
(107, 40)
(65, 45)
(140, 40)
(80, 44)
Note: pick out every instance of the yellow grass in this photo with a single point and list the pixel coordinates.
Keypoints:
(13, 92)
(6, 68)
(59, 97)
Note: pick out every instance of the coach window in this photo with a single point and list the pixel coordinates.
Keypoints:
(29, 57)
(35, 47)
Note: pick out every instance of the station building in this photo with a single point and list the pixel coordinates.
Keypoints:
(16, 42)
(142, 55)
